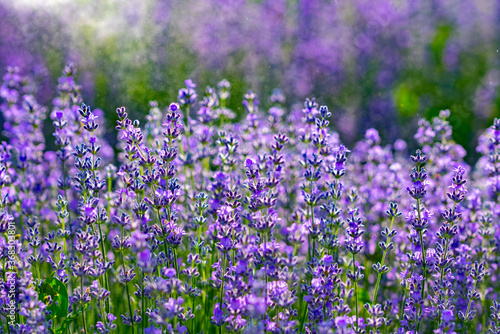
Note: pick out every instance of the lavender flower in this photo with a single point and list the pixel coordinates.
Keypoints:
(261, 225)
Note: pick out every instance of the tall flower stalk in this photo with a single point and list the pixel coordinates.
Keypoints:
(419, 217)
(387, 246)
(354, 245)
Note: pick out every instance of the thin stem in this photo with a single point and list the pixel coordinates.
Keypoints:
(422, 245)
(314, 240)
(192, 307)
(425, 276)
(222, 279)
(382, 263)
(126, 286)
(446, 247)
(103, 250)
(444, 257)
(130, 308)
(304, 319)
(265, 265)
(143, 302)
(67, 207)
(470, 302)
(222, 285)
(401, 307)
(175, 261)
(355, 288)
(64, 236)
(83, 312)
(424, 256)
(199, 238)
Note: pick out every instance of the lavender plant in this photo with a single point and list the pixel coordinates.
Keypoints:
(199, 224)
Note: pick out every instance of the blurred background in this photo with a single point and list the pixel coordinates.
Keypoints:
(375, 63)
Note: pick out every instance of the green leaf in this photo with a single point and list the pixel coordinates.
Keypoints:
(57, 290)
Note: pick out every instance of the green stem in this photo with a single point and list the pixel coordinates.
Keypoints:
(222, 285)
(470, 302)
(130, 308)
(422, 245)
(444, 257)
(64, 237)
(126, 286)
(143, 301)
(192, 307)
(424, 256)
(382, 263)
(106, 283)
(304, 319)
(355, 288)
(314, 240)
(83, 312)
(175, 261)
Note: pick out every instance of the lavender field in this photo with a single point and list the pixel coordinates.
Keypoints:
(330, 167)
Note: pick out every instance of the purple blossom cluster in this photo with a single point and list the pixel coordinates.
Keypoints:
(193, 223)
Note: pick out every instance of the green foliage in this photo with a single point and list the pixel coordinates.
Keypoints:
(64, 326)
(58, 292)
(405, 100)
(363, 296)
(438, 44)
